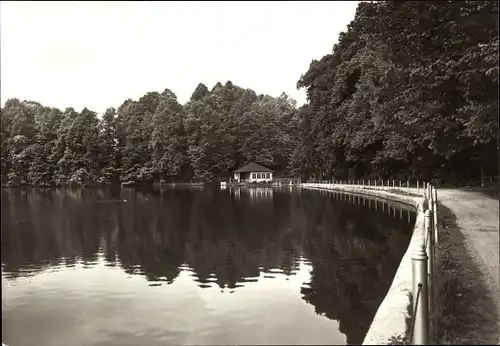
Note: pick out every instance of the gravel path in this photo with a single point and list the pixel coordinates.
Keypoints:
(477, 216)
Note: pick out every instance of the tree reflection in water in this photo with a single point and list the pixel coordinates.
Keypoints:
(355, 253)
(226, 238)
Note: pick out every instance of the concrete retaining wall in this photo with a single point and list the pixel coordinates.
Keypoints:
(390, 319)
(369, 191)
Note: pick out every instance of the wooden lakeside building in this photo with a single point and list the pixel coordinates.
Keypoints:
(253, 173)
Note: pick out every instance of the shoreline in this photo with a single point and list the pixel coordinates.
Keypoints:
(102, 185)
(469, 287)
(390, 320)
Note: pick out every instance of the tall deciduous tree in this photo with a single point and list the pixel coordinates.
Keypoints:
(107, 156)
(168, 141)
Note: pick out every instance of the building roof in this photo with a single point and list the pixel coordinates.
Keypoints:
(253, 167)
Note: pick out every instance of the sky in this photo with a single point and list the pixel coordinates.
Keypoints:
(98, 54)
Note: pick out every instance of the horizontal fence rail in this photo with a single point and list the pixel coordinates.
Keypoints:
(424, 274)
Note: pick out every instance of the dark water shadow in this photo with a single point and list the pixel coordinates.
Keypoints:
(351, 275)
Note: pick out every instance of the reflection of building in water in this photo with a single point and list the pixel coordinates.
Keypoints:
(261, 193)
(237, 193)
(255, 193)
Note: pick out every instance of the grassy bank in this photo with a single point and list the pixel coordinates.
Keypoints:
(468, 313)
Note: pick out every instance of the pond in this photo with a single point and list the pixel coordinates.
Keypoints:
(195, 265)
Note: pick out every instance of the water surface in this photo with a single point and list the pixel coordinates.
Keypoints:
(195, 266)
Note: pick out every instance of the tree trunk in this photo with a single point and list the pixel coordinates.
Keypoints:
(482, 175)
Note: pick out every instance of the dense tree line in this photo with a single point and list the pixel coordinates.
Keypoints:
(152, 139)
(409, 91)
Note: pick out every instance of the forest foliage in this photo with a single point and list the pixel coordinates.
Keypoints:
(410, 91)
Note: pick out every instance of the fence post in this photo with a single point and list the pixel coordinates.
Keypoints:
(408, 187)
(393, 184)
(420, 326)
(430, 263)
(418, 188)
(436, 235)
(400, 186)
(437, 278)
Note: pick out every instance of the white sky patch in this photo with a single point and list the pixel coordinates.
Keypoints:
(98, 54)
